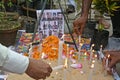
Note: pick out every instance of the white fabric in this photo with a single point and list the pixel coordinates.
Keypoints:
(12, 61)
(3, 54)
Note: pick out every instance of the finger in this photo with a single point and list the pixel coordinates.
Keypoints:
(76, 30)
(48, 74)
(81, 29)
(75, 27)
(49, 69)
(112, 63)
(40, 76)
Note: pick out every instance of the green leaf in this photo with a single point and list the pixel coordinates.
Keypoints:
(10, 4)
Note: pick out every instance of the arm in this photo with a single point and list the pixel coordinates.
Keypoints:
(79, 23)
(114, 58)
(11, 61)
(14, 62)
(86, 5)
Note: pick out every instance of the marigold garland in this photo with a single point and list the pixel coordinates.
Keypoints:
(50, 47)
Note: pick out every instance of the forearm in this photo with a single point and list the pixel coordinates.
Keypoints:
(12, 61)
(86, 5)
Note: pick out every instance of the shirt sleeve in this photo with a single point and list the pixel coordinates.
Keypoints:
(13, 61)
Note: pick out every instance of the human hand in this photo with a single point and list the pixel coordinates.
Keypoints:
(79, 24)
(114, 58)
(38, 69)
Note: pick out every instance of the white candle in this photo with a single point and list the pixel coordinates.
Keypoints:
(65, 68)
(91, 72)
(91, 52)
(101, 46)
(58, 67)
(91, 55)
(60, 52)
(30, 50)
(85, 63)
(95, 63)
(107, 61)
(68, 54)
(106, 64)
(100, 54)
(65, 74)
(91, 48)
(80, 45)
(40, 48)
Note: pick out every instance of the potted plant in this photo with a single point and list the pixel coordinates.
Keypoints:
(101, 35)
(104, 6)
(8, 25)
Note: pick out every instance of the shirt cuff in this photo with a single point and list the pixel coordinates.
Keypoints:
(15, 62)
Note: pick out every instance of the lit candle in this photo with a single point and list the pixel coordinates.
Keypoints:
(91, 52)
(101, 46)
(106, 64)
(91, 71)
(107, 61)
(85, 62)
(65, 68)
(40, 47)
(80, 45)
(71, 56)
(60, 52)
(91, 48)
(68, 53)
(100, 54)
(91, 55)
(30, 50)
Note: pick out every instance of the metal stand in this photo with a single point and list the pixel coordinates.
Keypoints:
(38, 22)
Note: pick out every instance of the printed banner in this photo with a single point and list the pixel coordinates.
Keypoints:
(51, 23)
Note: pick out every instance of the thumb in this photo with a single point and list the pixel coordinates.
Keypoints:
(75, 27)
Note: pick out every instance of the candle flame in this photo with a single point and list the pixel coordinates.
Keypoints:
(92, 66)
(95, 56)
(81, 44)
(85, 54)
(93, 50)
(108, 56)
(93, 61)
(93, 45)
(67, 45)
(101, 46)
